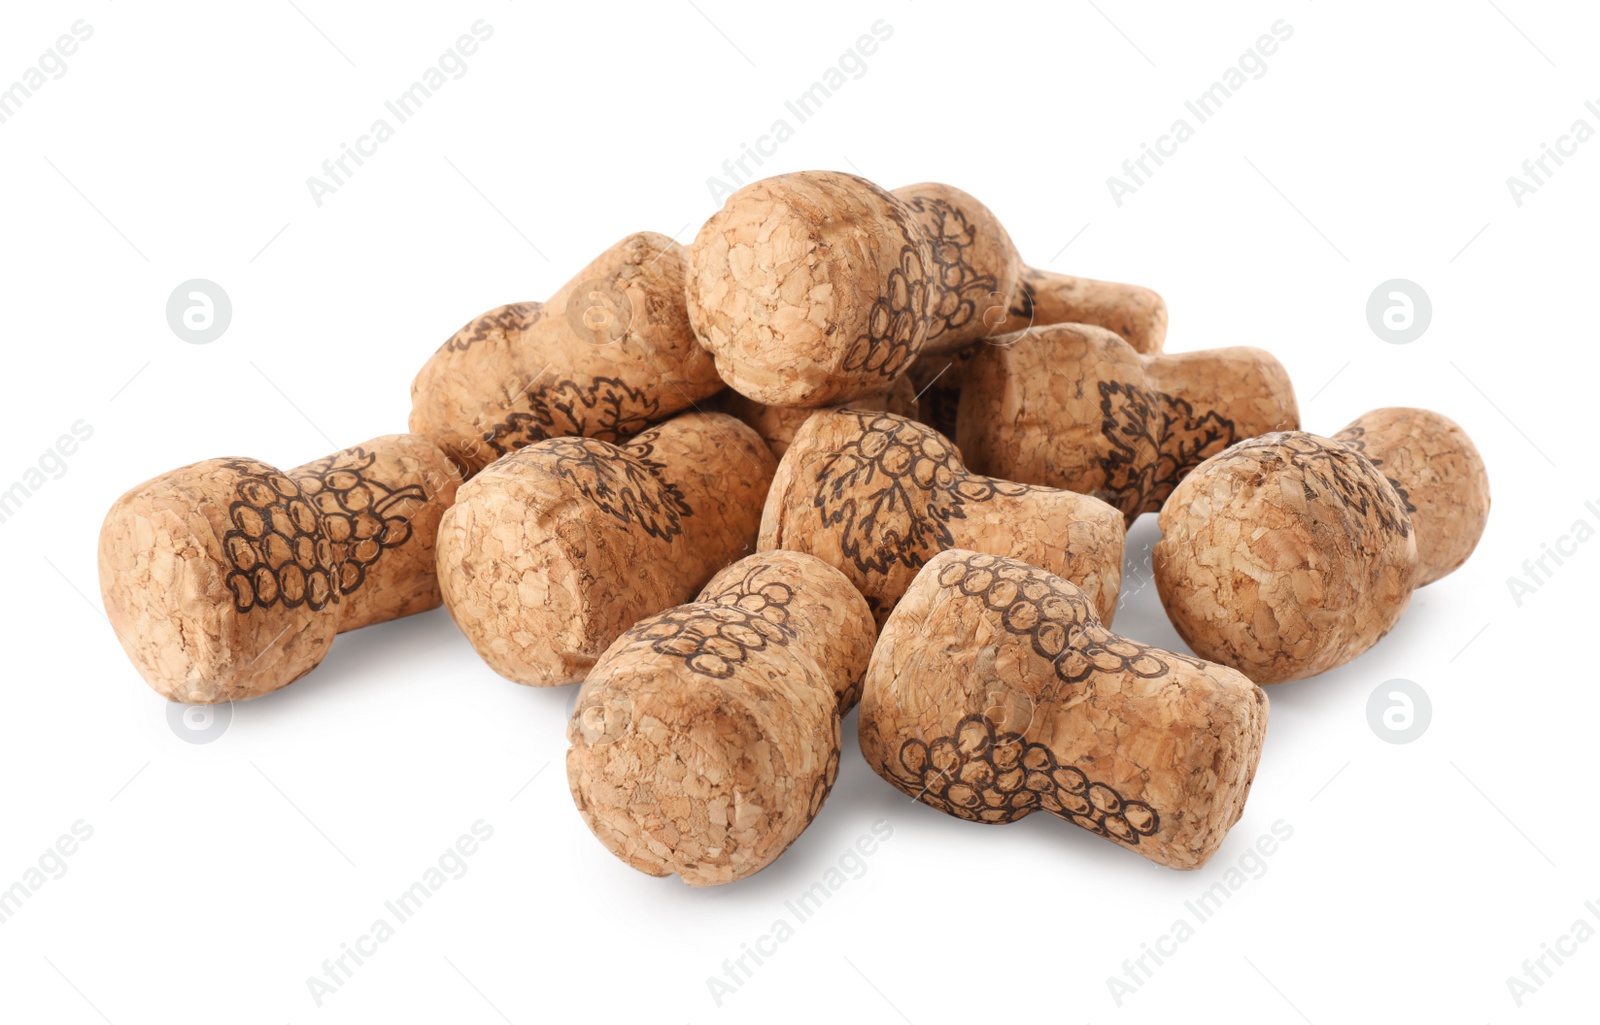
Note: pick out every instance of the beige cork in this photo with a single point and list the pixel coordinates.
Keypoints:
(995, 692)
(778, 425)
(228, 578)
(817, 287)
(1137, 314)
(877, 495)
(1074, 406)
(609, 354)
(552, 552)
(1290, 554)
(706, 738)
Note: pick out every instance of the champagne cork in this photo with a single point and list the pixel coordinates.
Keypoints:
(877, 495)
(994, 692)
(229, 578)
(706, 738)
(610, 353)
(817, 287)
(1290, 554)
(554, 551)
(778, 425)
(1074, 406)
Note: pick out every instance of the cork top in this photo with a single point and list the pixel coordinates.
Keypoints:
(553, 551)
(707, 737)
(811, 288)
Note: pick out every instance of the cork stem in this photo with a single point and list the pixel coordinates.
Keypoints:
(1136, 313)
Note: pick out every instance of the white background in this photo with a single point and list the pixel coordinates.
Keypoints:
(220, 876)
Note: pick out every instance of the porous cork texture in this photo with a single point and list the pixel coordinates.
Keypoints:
(811, 289)
(229, 578)
(1290, 554)
(1439, 474)
(778, 425)
(1074, 406)
(877, 495)
(995, 692)
(817, 288)
(1136, 314)
(555, 550)
(706, 738)
(609, 354)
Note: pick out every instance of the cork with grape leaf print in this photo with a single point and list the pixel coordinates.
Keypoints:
(555, 550)
(707, 737)
(229, 578)
(995, 692)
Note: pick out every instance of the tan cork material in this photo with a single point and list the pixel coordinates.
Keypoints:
(1137, 314)
(1074, 406)
(778, 425)
(706, 738)
(609, 354)
(1290, 554)
(818, 287)
(555, 550)
(877, 495)
(995, 692)
(229, 578)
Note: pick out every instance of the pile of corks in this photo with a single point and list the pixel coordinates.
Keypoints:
(844, 448)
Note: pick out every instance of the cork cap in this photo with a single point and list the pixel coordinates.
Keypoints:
(229, 578)
(555, 550)
(706, 738)
(610, 353)
(877, 495)
(995, 692)
(811, 288)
